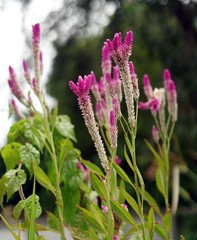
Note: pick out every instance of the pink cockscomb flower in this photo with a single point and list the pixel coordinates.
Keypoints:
(147, 87)
(106, 60)
(82, 89)
(120, 51)
(95, 88)
(15, 87)
(134, 81)
(172, 100)
(166, 78)
(113, 130)
(36, 56)
(26, 72)
(36, 33)
(115, 237)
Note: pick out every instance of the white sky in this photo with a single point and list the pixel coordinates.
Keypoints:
(13, 48)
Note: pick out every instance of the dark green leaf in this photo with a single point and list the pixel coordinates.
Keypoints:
(65, 127)
(11, 155)
(14, 179)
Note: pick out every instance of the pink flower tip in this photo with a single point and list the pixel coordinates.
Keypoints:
(131, 68)
(36, 33)
(25, 66)
(166, 74)
(146, 80)
(82, 87)
(11, 70)
(129, 38)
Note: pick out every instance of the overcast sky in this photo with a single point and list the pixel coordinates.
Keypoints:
(13, 48)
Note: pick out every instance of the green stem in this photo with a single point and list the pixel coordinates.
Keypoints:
(59, 199)
(9, 227)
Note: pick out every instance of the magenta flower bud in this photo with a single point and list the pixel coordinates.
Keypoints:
(104, 209)
(16, 110)
(101, 86)
(117, 41)
(147, 87)
(118, 160)
(36, 33)
(125, 206)
(116, 73)
(154, 105)
(117, 83)
(155, 134)
(12, 72)
(144, 105)
(115, 237)
(166, 78)
(172, 100)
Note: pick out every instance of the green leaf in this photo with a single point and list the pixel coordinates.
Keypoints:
(151, 223)
(93, 168)
(42, 178)
(26, 205)
(11, 155)
(122, 187)
(132, 202)
(167, 221)
(53, 221)
(122, 174)
(31, 232)
(71, 175)
(98, 215)
(92, 234)
(14, 179)
(71, 198)
(160, 181)
(122, 213)
(15, 130)
(160, 232)
(128, 159)
(3, 189)
(156, 155)
(66, 146)
(91, 219)
(64, 126)
(29, 154)
(151, 201)
(99, 186)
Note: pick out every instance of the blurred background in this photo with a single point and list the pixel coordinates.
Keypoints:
(165, 36)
